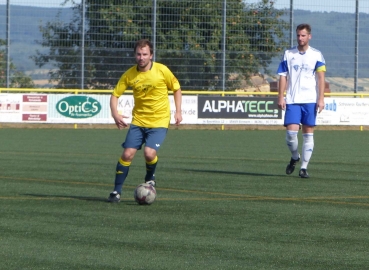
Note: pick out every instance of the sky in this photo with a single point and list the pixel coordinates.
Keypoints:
(37, 3)
(312, 5)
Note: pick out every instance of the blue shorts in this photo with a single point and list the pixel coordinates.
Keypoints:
(300, 114)
(151, 137)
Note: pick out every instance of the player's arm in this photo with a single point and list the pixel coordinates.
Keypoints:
(283, 73)
(177, 95)
(119, 119)
(119, 90)
(281, 90)
(321, 88)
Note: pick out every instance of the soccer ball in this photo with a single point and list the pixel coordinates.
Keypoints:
(144, 194)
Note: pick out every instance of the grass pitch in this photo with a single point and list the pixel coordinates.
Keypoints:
(224, 202)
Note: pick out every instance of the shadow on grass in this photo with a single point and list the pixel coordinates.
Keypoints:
(82, 198)
(237, 173)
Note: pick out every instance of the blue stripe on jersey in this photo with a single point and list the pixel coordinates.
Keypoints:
(283, 67)
(319, 64)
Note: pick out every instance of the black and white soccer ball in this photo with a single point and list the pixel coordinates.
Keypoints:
(144, 194)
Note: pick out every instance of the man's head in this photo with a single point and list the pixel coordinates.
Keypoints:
(303, 33)
(303, 26)
(143, 54)
(143, 43)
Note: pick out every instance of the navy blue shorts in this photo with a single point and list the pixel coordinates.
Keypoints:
(151, 137)
(300, 114)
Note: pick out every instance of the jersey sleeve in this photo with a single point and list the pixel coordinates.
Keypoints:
(283, 66)
(175, 84)
(320, 64)
(170, 80)
(320, 67)
(121, 86)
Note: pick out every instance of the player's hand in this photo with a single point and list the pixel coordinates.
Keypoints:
(320, 106)
(178, 118)
(282, 103)
(119, 121)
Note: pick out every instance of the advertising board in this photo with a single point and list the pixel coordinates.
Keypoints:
(233, 110)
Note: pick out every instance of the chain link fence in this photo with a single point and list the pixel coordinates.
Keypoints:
(209, 45)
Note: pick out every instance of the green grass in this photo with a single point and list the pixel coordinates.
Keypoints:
(224, 202)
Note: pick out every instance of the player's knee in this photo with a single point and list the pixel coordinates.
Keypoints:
(150, 154)
(291, 135)
(128, 154)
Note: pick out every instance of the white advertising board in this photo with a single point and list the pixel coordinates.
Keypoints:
(344, 111)
(10, 108)
(23, 107)
(95, 109)
(89, 109)
(189, 108)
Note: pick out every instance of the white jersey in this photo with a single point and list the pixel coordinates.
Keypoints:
(300, 69)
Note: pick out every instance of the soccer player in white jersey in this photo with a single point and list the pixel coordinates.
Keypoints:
(150, 82)
(302, 76)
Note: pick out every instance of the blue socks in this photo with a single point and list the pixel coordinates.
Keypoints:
(121, 173)
(150, 169)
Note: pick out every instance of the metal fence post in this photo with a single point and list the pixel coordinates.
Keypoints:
(154, 3)
(7, 43)
(291, 24)
(356, 71)
(224, 33)
(83, 45)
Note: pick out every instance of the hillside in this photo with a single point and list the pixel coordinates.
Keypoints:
(24, 31)
(333, 34)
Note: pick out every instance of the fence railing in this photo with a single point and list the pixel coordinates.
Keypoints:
(209, 45)
(185, 92)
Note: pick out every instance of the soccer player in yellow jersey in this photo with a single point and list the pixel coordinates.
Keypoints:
(150, 82)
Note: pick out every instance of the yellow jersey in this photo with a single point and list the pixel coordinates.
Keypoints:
(150, 92)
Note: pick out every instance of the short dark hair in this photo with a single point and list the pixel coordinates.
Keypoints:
(143, 43)
(303, 26)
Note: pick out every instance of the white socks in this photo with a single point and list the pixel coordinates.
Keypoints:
(292, 143)
(307, 149)
(307, 146)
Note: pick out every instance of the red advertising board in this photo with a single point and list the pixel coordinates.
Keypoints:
(34, 117)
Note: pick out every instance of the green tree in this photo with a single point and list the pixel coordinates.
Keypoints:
(17, 78)
(113, 27)
(254, 35)
(188, 35)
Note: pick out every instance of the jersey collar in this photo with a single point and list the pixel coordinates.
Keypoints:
(152, 63)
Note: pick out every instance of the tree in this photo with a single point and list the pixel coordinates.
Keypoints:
(254, 35)
(188, 35)
(17, 78)
(113, 28)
